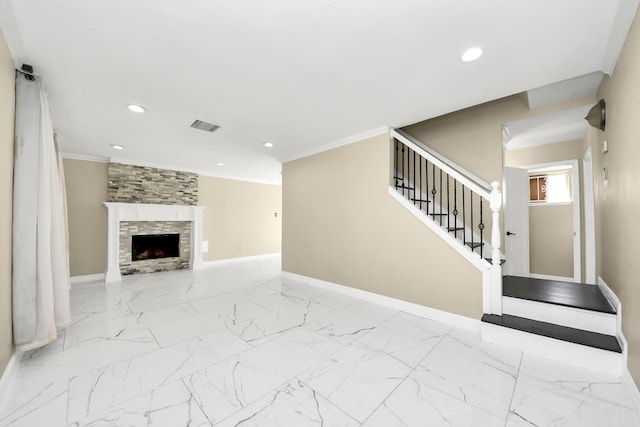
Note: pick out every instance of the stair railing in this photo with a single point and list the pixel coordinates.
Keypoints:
(455, 200)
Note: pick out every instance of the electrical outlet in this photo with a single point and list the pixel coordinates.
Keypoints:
(605, 146)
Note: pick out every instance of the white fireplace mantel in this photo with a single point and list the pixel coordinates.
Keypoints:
(150, 212)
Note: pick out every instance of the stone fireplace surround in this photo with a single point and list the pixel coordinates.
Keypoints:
(140, 212)
(128, 229)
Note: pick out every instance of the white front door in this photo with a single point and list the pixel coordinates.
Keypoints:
(516, 222)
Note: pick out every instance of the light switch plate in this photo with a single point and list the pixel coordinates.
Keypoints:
(605, 146)
(204, 246)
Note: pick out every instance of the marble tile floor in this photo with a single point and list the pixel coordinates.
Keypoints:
(238, 345)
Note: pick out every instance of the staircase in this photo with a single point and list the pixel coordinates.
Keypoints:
(569, 322)
(459, 207)
(451, 197)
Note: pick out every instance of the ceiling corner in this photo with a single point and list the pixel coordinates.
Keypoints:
(619, 31)
(11, 32)
(567, 90)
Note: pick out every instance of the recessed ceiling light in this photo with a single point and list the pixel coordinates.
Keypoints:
(471, 54)
(117, 147)
(220, 164)
(136, 108)
(268, 144)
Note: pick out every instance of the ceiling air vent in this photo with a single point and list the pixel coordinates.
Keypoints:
(205, 126)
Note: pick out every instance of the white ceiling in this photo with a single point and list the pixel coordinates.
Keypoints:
(566, 90)
(303, 75)
(561, 126)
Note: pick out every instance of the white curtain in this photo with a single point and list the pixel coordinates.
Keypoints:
(40, 238)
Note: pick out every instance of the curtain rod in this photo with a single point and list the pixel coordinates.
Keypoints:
(27, 71)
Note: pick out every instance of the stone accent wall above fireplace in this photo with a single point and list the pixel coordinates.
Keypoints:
(141, 184)
(144, 202)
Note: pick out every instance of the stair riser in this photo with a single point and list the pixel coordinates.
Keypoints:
(587, 320)
(608, 362)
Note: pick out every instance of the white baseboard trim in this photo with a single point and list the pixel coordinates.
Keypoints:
(408, 307)
(75, 280)
(634, 393)
(549, 277)
(9, 371)
(89, 278)
(591, 358)
(615, 301)
(229, 261)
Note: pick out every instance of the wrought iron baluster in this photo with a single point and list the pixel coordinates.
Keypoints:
(433, 192)
(420, 193)
(441, 197)
(481, 227)
(464, 216)
(455, 208)
(414, 176)
(426, 178)
(448, 205)
(396, 172)
(471, 204)
(403, 174)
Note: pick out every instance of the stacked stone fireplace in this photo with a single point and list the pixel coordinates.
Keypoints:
(151, 202)
(152, 263)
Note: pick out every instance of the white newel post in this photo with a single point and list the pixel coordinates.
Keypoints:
(496, 269)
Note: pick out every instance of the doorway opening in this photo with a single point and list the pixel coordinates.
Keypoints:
(543, 237)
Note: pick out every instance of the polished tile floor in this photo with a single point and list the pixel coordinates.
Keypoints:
(240, 346)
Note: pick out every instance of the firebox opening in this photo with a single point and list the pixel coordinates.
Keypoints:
(155, 246)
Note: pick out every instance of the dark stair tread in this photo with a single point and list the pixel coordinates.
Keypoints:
(502, 260)
(404, 186)
(420, 200)
(455, 229)
(474, 245)
(564, 333)
(568, 294)
(436, 214)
